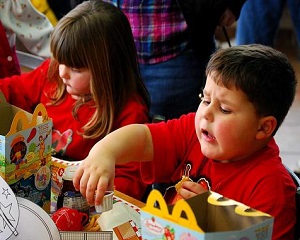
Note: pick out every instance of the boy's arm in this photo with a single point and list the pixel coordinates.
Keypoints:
(96, 172)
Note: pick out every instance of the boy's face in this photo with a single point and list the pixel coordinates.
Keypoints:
(226, 123)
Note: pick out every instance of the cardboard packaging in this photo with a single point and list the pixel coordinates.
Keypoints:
(25, 152)
(207, 216)
(58, 167)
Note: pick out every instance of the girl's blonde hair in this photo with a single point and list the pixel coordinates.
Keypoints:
(97, 36)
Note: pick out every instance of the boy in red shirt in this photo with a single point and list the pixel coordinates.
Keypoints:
(229, 142)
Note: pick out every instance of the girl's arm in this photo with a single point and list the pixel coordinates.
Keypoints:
(25, 90)
(96, 172)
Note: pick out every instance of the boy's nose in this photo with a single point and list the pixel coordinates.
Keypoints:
(208, 113)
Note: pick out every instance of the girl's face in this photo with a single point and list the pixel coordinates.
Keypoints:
(226, 123)
(77, 81)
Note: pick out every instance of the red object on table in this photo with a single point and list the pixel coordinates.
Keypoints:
(68, 219)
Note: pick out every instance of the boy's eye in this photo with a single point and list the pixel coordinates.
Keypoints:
(225, 111)
(207, 102)
(203, 100)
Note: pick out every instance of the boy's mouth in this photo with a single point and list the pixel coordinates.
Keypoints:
(207, 135)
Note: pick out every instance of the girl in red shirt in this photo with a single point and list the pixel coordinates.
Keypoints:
(90, 87)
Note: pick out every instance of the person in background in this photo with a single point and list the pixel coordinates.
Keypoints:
(22, 21)
(43, 7)
(228, 143)
(9, 62)
(61, 8)
(259, 21)
(174, 40)
(90, 87)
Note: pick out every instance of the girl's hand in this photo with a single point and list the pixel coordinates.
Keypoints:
(93, 177)
(189, 189)
(227, 19)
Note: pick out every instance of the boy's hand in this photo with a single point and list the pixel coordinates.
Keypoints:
(189, 189)
(93, 177)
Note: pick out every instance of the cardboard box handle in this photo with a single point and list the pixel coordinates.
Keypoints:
(153, 198)
(181, 206)
(20, 117)
(2, 98)
(189, 222)
(39, 109)
(240, 209)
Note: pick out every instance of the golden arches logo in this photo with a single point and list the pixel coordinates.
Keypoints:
(21, 122)
(155, 197)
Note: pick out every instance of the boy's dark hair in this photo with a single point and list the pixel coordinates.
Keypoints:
(262, 73)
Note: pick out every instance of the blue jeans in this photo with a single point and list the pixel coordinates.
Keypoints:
(259, 21)
(174, 85)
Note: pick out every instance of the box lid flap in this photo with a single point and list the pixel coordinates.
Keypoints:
(6, 113)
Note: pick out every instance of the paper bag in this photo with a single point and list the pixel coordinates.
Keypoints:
(119, 215)
(25, 152)
(205, 216)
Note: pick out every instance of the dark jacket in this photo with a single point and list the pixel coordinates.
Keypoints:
(202, 17)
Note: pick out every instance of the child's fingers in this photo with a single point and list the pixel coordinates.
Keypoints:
(102, 187)
(190, 189)
(83, 181)
(88, 185)
(76, 178)
(185, 193)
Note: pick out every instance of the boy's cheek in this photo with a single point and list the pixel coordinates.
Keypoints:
(197, 121)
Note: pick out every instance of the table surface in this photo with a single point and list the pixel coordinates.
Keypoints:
(129, 199)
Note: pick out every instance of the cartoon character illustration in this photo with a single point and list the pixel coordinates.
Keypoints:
(42, 149)
(18, 151)
(60, 141)
(169, 233)
(57, 175)
(41, 178)
(19, 190)
(187, 236)
(154, 227)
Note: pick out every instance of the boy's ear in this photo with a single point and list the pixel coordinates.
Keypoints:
(267, 127)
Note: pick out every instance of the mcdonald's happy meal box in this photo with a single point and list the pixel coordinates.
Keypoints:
(25, 152)
(205, 216)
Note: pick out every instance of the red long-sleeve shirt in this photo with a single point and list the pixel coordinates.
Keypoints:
(259, 181)
(27, 90)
